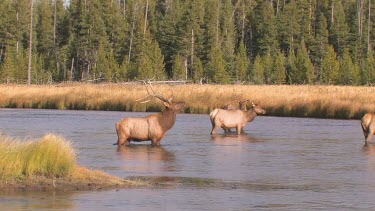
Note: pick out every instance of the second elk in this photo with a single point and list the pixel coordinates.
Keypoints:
(227, 119)
(152, 127)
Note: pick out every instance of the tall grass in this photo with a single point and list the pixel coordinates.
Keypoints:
(50, 156)
(279, 100)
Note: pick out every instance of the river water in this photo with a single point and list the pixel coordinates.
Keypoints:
(278, 164)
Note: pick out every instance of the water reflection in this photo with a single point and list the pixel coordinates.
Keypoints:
(233, 137)
(146, 158)
(369, 150)
(36, 200)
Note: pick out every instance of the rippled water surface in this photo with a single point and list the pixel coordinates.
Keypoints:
(279, 164)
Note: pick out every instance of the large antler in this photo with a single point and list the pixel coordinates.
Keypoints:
(150, 95)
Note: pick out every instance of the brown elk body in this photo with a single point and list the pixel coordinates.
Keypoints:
(150, 128)
(242, 105)
(227, 119)
(368, 126)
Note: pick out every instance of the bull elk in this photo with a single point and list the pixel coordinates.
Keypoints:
(227, 119)
(152, 127)
(368, 126)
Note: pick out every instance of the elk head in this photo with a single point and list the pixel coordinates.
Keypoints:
(257, 108)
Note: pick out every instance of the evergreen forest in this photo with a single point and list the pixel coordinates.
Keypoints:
(203, 41)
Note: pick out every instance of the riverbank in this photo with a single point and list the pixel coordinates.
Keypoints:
(49, 163)
(341, 102)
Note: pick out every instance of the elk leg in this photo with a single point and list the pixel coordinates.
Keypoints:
(120, 141)
(365, 134)
(214, 129)
(369, 137)
(239, 129)
(155, 142)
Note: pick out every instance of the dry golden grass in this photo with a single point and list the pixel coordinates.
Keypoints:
(279, 100)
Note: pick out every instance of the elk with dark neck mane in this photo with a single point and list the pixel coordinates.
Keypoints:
(152, 127)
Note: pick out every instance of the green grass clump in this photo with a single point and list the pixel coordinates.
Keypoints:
(50, 156)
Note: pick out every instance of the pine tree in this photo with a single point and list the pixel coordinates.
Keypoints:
(320, 45)
(330, 67)
(198, 73)
(349, 71)
(227, 39)
(8, 67)
(257, 73)
(168, 34)
(216, 67)
(122, 72)
(304, 66)
(242, 63)
(116, 28)
(305, 10)
(267, 62)
(45, 37)
(368, 72)
(278, 75)
(291, 68)
(288, 27)
(157, 61)
(113, 66)
(178, 68)
(265, 28)
(338, 27)
(44, 28)
(21, 59)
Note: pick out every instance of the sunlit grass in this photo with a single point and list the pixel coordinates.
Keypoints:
(278, 100)
(50, 156)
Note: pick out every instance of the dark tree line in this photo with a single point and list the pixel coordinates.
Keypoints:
(214, 41)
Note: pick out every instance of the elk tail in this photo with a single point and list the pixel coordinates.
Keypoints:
(366, 119)
(213, 114)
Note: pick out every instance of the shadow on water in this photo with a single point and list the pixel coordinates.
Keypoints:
(205, 183)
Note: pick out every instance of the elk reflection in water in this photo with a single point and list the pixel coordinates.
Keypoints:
(146, 158)
(233, 136)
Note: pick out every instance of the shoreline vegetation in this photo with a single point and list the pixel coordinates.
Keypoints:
(49, 164)
(317, 101)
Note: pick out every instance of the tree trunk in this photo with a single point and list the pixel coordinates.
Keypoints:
(368, 27)
(243, 22)
(30, 43)
(124, 10)
(71, 70)
(145, 26)
(132, 34)
(332, 9)
(18, 20)
(192, 52)
(217, 22)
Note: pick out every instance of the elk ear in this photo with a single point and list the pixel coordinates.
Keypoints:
(167, 104)
(253, 104)
(179, 106)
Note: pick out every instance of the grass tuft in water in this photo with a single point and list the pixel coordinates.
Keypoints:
(50, 156)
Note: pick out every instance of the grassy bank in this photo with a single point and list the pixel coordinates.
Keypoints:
(49, 163)
(345, 102)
